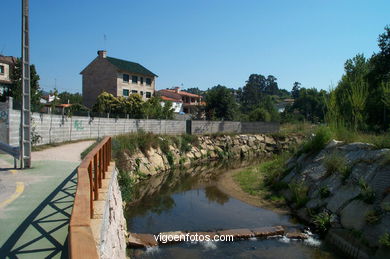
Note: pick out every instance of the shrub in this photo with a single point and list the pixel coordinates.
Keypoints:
(322, 221)
(324, 192)
(186, 141)
(384, 240)
(274, 171)
(366, 193)
(299, 191)
(373, 217)
(335, 162)
(322, 136)
(171, 160)
(126, 184)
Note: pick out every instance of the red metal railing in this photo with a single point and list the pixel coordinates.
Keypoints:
(89, 179)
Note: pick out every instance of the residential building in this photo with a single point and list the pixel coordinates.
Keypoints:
(177, 104)
(117, 77)
(7, 63)
(190, 102)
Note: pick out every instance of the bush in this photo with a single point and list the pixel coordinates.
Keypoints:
(384, 240)
(373, 217)
(366, 193)
(335, 162)
(274, 171)
(321, 138)
(126, 184)
(299, 191)
(186, 141)
(322, 221)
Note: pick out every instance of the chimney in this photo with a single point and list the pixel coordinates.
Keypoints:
(177, 89)
(102, 53)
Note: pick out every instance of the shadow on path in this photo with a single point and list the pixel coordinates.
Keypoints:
(44, 232)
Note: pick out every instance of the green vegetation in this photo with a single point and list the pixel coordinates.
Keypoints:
(133, 106)
(299, 192)
(321, 138)
(89, 149)
(373, 217)
(366, 193)
(126, 183)
(324, 192)
(384, 240)
(322, 221)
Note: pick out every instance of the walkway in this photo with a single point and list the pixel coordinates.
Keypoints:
(35, 204)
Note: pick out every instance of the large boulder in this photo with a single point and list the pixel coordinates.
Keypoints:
(354, 215)
(342, 197)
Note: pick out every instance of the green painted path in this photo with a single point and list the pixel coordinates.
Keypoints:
(34, 222)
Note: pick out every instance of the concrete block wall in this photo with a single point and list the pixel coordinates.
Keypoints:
(58, 128)
(209, 127)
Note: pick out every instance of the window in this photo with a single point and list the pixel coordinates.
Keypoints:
(148, 94)
(148, 81)
(134, 91)
(142, 93)
(141, 80)
(126, 78)
(1, 69)
(125, 92)
(134, 79)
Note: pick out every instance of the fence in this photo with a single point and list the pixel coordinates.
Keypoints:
(89, 180)
(52, 128)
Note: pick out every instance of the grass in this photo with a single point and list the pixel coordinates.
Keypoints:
(88, 149)
(302, 128)
(322, 221)
(366, 193)
(335, 162)
(50, 145)
(384, 240)
(324, 192)
(321, 138)
(299, 192)
(373, 217)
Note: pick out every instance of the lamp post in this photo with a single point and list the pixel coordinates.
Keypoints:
(25, 121)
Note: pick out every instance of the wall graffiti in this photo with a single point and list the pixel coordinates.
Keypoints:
(4, 116)
(78, 125)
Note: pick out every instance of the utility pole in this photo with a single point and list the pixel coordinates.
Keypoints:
(25, 121)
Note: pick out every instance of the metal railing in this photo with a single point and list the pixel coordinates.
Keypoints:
(13, 151)
(90, 173)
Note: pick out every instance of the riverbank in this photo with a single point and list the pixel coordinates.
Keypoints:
(229, 185)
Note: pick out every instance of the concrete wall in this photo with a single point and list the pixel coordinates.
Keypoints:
(209, 127)
(57, 128)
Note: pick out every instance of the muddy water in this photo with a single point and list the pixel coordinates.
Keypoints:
(190, 200)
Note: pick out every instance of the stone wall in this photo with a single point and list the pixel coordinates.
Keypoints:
(351, 184)
(156, 161)
(113, 229)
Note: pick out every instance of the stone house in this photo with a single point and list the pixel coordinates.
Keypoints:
(117, 77)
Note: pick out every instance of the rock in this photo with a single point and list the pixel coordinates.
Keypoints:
(373, 232)
(354, 214)
(269, 140)
(237, 233)
(333, 143)
(342, 197)
(268, 231)
(141, 240)
(315, 172)
(357, 146)
(297, 235)
(381, 182)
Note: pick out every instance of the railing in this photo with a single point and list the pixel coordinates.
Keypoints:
(89, 179)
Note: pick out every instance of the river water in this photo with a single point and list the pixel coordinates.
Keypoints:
(190, 200)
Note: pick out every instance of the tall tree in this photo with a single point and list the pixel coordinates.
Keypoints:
(220, 103)
(295, 90)
(16, 89)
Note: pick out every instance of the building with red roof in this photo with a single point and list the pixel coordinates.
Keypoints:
(190, 102)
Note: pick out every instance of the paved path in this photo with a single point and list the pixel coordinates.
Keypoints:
(35, 204)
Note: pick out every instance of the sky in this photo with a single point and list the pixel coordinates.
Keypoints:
(198, 43)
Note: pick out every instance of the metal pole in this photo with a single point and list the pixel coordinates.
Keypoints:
(25, 135)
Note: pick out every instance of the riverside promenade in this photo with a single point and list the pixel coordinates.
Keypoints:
(36, 203)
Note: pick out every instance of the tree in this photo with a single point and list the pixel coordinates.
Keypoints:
(72, 98)
(295, 90)
(194, 90)
(16, 89)
(220, 103)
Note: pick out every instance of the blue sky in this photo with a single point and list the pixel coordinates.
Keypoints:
(198, 43)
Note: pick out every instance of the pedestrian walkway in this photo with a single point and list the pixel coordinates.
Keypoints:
(36, 203)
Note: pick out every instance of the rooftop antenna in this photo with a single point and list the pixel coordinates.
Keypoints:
(105, 40)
